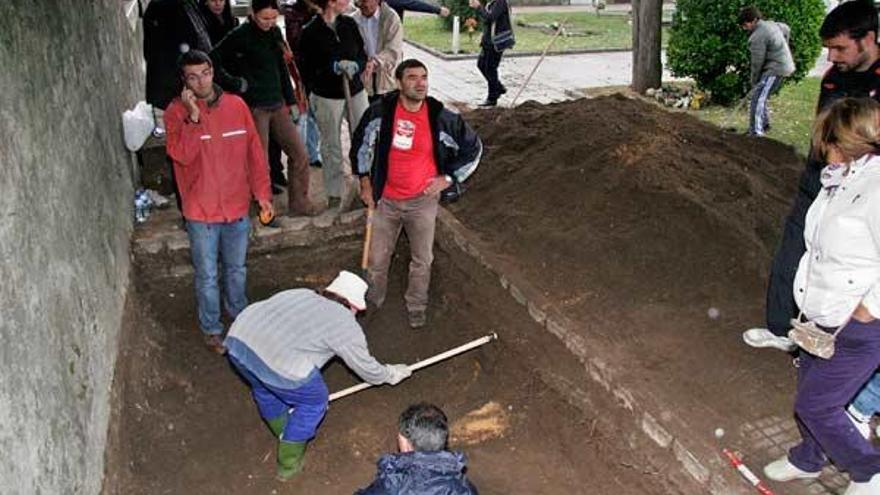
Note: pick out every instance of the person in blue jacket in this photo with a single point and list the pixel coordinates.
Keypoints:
(423, 466)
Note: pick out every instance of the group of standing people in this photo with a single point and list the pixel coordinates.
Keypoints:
(825, 276)
(238, 87)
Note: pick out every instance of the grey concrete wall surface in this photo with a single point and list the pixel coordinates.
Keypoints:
(68, 69)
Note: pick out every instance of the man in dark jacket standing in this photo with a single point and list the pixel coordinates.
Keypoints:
(423, 466)
(171, 28)
(849, 32)
(497, 37)
(406, 150)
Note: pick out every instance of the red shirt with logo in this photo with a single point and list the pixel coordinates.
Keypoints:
(411, 164)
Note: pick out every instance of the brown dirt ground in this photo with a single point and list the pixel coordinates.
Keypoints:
(185, 423)
(637, 221)
(634, 220)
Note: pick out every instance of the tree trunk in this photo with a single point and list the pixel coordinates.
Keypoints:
(647, 66)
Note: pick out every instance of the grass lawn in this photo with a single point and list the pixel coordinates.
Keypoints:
(602, 32)
(791, 114)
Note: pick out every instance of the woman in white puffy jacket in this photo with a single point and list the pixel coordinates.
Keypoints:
(837, 287)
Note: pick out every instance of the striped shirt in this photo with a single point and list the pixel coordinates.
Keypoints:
(283, 339)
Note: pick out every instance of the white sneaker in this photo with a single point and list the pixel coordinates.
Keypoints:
(871, 487)
(761, 337)
(782, 470)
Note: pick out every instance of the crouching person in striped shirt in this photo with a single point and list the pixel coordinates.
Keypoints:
(279, 346)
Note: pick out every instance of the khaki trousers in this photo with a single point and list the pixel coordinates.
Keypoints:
(329, 113)
(416, 216)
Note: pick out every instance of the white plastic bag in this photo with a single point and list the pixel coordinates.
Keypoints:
(137, 124)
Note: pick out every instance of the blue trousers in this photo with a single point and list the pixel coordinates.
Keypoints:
(305, 405)
(310, 135)
(825, 387)
(759, 116)
(867, 403)
(225, 243)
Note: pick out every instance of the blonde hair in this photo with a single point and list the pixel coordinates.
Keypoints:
(849, 125)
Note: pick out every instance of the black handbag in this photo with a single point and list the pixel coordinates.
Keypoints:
(504, 39)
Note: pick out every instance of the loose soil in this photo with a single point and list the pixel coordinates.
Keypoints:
(633, 220)
(185, 422)
(637, 222)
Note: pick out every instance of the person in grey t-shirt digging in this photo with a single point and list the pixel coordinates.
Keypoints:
(771, 63)
(279, 347)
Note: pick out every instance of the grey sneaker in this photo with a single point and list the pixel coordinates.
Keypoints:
(417, 319)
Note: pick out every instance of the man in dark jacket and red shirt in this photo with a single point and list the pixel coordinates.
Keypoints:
(220, 166)
(406, 150)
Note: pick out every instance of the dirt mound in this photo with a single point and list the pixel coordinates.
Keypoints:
(613, 199)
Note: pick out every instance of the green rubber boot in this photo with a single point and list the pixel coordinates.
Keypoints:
(290, 459)
(277, 425)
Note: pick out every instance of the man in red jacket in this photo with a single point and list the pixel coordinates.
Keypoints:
(220, 165)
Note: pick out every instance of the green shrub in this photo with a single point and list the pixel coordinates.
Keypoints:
(707, 44)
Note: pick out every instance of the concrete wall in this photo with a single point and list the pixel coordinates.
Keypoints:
(68, 68)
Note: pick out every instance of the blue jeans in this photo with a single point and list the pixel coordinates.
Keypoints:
(226, 243)
(305, 405)
(867, 402)
(308, 132)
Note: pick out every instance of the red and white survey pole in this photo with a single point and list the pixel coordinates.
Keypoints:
(746, 473)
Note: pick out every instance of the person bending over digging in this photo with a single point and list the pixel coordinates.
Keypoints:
(423, 466)
(406, 150)
(279, 346)
(771, 62)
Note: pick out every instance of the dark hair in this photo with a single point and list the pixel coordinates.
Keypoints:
(425, 426)
(855, 19)
(336, 298)
(321, 4)
(409, 63)
(748, 14)
(258, 5)
(192, 57)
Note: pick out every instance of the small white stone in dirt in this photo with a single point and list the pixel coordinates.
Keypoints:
(510, 407)
(719, 432)
(713, 313)
(170, 294)
(170, 426)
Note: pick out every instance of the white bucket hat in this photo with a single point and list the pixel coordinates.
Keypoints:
(351, 287)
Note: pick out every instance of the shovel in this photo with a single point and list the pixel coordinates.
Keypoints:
(735, 110)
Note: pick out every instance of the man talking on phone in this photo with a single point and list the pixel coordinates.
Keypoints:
(220, 167)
